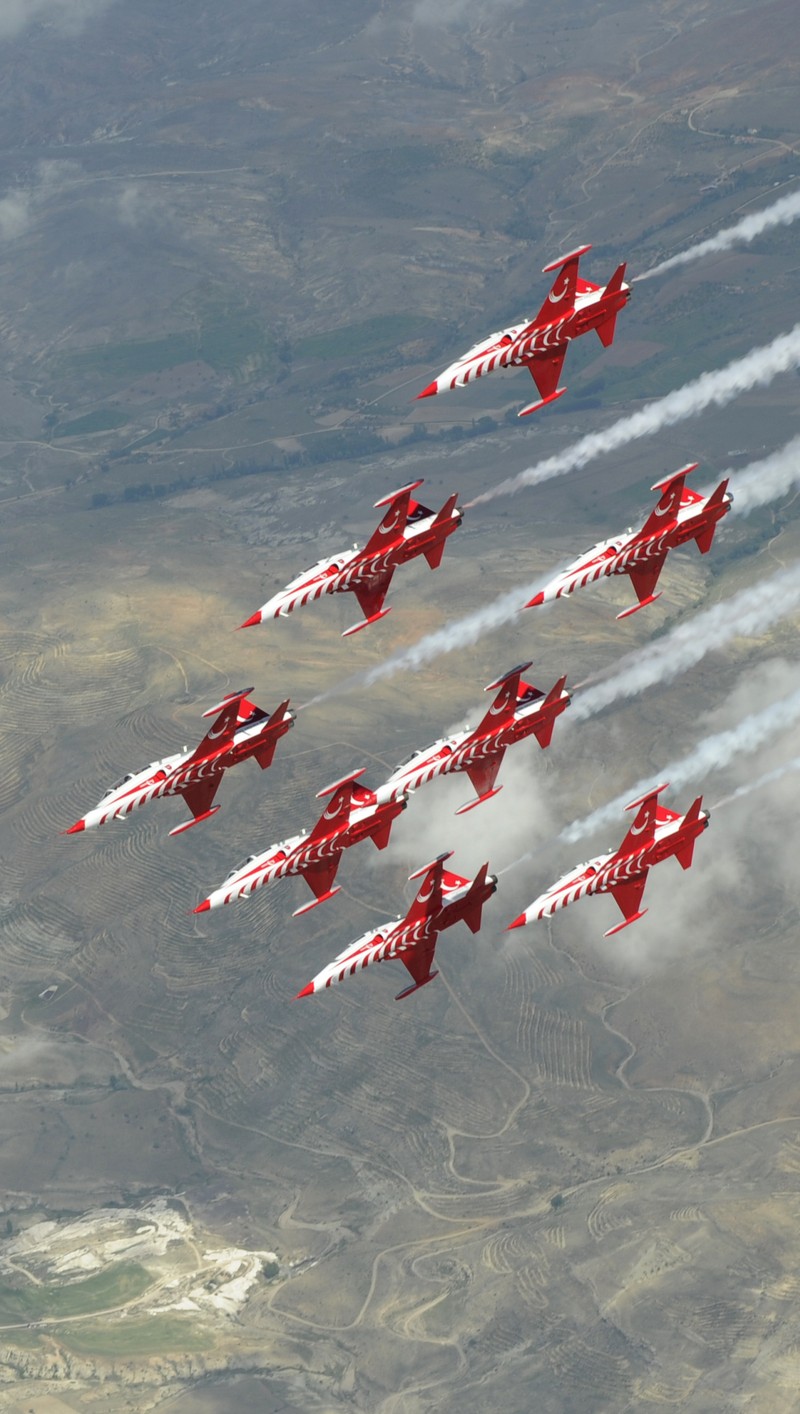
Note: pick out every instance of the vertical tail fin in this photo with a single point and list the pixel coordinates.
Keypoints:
(394, 518)
(434, 555)
(714, 504)
(615, 283)
(476, 898)
(561, 298)
(544, 732)
(265, 753)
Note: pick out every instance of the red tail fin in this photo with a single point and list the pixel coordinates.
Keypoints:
(714, 503)
(561, 298)
(229, 714)
(476, 898)
(544, 732)
(502, 709)
(434, 555)
(394, 518)
(671, 488)
(615, 283)
(643, 828)
(265, 753)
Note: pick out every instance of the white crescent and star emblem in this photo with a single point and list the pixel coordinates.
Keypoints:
(556, 295)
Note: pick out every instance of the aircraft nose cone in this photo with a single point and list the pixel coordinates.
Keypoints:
(253, 619)
(307, 991)
(518, 923)
(202, 907)
(535, 601)
(428, 392)
(75, 829)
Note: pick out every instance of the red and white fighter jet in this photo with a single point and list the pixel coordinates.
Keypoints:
(519, 710)
(443, 899)
(656, 834)
(407, 529)
(240, 730)
(573, 307)
(353, 814)
(681, 515)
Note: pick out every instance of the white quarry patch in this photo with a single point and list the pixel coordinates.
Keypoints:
(187, 1275)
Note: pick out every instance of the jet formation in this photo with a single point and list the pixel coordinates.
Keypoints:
(656, 834)
(573, 307)
(353, 811)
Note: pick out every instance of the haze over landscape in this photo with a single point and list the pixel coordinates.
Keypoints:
(235, 242)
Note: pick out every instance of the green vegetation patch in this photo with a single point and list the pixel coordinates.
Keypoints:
(157, 1335)
(226, 336)
(102, 420)
(367, 337)
(120, 1283)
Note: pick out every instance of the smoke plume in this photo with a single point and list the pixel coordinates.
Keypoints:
(781, 213)
(713, 754)
(768, 778)
(745, 614)
(754, 370)
(763, 481)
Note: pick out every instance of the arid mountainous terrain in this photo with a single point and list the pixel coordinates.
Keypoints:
(235, 240)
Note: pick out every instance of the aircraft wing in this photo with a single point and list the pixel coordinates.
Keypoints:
(199, 795)
(628, 897)
(371, 595)
(546, 370)
(418, 961)
(483, 774)
(319, 878)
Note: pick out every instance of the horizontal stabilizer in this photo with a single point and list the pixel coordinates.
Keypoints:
(685, 855)
(607, 330)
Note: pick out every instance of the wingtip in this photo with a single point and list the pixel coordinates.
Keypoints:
(306, 992)
(429, 392)
(252, 621)
(518, 923)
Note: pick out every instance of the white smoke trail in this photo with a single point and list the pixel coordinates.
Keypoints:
(713, 754)
(745, 614)
(461, 633)
(761, 482)
(765, 780)
(781, 213)
(754, 370)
